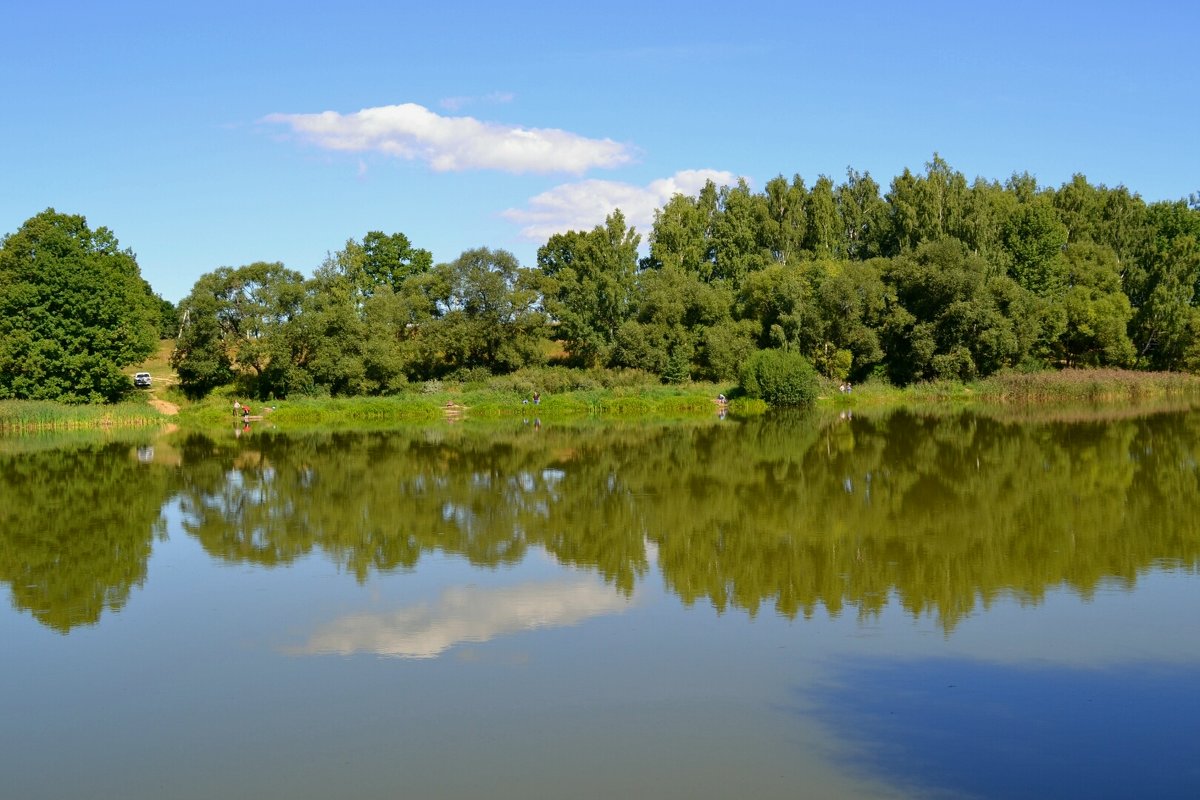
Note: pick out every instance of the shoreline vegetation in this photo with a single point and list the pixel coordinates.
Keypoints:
(436, 402)
(953, 290)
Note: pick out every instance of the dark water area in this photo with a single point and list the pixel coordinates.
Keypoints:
(894, 605)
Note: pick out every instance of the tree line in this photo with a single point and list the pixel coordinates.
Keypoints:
(934, 278)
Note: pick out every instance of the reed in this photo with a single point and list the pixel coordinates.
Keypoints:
(1089, 385)
(46, 415)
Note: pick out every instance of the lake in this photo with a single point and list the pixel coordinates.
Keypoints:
(893, 605)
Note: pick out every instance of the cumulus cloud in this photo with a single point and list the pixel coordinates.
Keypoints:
(585, 204)
(465, 614)
(451, 144)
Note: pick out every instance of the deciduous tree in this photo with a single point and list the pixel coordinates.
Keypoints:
(74, 310)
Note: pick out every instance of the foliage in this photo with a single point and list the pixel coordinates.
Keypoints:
(74, 310)
(44, 415)
(487, 313)
(589, 285)
(780, 377)
(1090, 385)
(242, 322)
(938, 279)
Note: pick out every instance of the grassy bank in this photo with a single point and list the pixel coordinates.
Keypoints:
(1066, 387)
(587, 395)
(44, 415)
(452, 402)
(1093, 386)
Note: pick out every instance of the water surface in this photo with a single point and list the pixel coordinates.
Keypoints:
(892, 606)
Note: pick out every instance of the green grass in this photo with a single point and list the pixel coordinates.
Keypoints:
(1063, 387)
(1097, 386)
(158, 365)
(450, 401)
(45, 415)
(318, 412)
(591, 394)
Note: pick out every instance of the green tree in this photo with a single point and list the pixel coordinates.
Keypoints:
(243, 320)
(331, 335)
(850, 300)
(863, 214)
(1035, 238)
(488, 312)
(904, 232)
(825, 234)
(589, 286)
(1097, 311)
(926, 208)
(948, 319)
(988, 208)
(401, 333)
(201, 357)
(682, 233)
(780, 377)
(780, 300)
(787, 223)
(389, 260)
(740, 234)
(1160, 327)
(675, 309)
(74, 310)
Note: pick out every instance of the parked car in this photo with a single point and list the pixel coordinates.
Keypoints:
(142, 380)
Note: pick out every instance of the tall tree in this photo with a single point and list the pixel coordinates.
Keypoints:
(388, 260)
(740, 234)
(1167, 281)
(488, 312)
(74, 310)
(825, 236)
(1035, 239)
(787, 224)
(863, 214)
(1097, 312)
(666, 336)
(242, 320)
(589, 286)
(850, 298)
(682, 233)
(947, 319)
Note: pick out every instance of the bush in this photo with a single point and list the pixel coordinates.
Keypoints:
(779, 377)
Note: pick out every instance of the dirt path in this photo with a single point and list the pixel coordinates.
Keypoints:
(163, 407)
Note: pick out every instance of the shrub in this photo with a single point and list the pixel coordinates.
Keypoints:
(779, 377)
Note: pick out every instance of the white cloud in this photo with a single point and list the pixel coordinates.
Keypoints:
(465, 615)
(450, 144)
(583, 205)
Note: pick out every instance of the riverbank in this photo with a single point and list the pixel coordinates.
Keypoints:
(1065, 387)
(44, 415)
(449, 402)
(455, 404)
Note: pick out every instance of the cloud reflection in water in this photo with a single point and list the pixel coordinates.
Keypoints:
(465, 614)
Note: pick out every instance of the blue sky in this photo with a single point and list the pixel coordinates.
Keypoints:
(218, 134)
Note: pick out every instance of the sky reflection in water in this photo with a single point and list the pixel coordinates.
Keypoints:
(876, 607)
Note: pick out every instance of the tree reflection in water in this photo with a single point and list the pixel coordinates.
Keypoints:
(942, 512)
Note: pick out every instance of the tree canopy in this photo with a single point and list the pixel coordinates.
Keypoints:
(74, 310)
(931, 276)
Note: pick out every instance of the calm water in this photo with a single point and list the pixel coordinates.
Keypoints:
(893, 606)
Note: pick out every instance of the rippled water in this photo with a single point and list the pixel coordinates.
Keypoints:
(879, 606)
